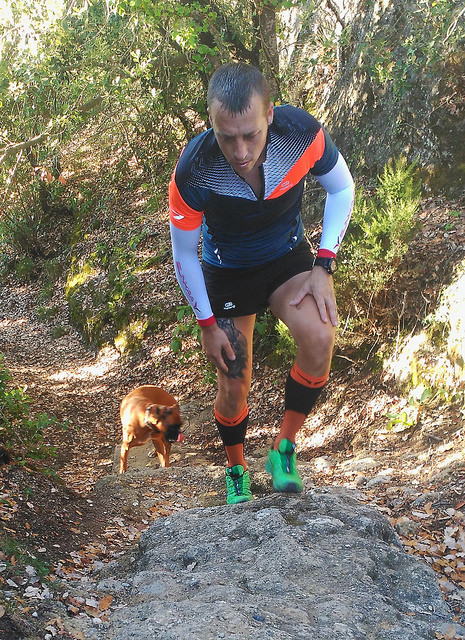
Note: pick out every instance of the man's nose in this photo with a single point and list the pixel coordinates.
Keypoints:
(240, 149)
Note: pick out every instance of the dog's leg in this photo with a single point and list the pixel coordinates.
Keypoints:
(167, 453)
(123, 466)
(162, 447)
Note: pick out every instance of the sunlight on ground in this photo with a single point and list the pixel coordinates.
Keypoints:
(104, 361)
(400, 363)
(318, 439)
(453, 457)
(13, 323)
(160, 350)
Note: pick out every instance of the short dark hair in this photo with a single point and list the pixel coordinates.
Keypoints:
(234, 84)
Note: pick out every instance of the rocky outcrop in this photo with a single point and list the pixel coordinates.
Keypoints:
(317, 566)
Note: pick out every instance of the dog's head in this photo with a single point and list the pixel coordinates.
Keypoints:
(166, 420)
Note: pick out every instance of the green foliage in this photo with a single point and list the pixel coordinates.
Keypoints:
(187, 328)
(421, 397)
(382, 225)
(25, 268)
(20, 230)
(21, 431)
(186, 342)
(425, 36)
(132, 72)
(99, 292)
(22, 558)
(130, 338)
(105, 297)
(273, 341)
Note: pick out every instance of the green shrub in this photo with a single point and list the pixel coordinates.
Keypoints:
(21, 431)
(273, 341)
(24, 268)
(99, 293)
(382, 225)
(20, 228)
(186, 343)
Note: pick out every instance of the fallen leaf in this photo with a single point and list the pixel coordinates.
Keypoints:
(104, 603)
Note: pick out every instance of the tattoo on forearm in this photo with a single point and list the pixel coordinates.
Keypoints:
(239, 344)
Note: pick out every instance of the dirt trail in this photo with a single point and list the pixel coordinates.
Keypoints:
(90, 515)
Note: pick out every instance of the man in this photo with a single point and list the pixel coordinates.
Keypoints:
(240, 185)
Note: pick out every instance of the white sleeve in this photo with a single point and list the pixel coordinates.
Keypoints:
(339, 185)
(188, 270)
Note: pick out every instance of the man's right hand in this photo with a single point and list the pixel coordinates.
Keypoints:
(217, 347)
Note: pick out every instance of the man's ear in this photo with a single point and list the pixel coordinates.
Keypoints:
(209, 118)
(270, 113)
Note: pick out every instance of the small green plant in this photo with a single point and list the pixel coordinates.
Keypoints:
(186, 342)
(401, 421)
(21, 431)
(46, 313)
(19, 557)
(420, 398)
(273, 341)
(186, 330)
(451, 225)
(24, 268)
(59, 331)
(19, 229)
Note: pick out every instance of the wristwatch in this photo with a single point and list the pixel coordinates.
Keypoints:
(329, 264)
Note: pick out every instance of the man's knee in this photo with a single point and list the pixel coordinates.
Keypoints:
(316, 345)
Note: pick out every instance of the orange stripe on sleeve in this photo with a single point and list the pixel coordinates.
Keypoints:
(307, 380)
(306, 161)
(181, 214)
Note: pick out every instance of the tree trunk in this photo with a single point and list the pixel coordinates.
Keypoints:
(269, 45)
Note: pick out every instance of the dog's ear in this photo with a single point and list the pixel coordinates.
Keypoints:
(162, 412)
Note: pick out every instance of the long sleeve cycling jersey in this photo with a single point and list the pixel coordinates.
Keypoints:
(240, 229)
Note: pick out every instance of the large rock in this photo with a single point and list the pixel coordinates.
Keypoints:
(312, 567)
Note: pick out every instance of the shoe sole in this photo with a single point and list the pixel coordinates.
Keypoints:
(240, 501)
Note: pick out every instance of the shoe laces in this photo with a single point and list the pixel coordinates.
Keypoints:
(288, 463)
(288, 457)
(236, 477)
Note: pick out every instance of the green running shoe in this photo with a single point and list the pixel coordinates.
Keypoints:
(238, 485)
(281, 464)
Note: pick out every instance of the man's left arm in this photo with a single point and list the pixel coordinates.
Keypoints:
(340, 189)
(339, 185)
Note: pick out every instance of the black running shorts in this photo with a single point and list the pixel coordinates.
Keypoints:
(246, 291)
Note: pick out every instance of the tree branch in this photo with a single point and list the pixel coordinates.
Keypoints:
(21, 146)
(335, 9)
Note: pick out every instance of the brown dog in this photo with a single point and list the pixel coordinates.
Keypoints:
(149, 413)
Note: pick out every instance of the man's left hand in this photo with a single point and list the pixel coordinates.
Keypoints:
(319, 284)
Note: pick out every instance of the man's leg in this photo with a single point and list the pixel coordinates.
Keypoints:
(231, 412)
(315, 342)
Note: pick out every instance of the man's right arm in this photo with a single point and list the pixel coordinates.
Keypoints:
(190, 277)
(189, 272)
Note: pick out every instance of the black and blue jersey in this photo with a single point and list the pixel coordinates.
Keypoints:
(240, 229)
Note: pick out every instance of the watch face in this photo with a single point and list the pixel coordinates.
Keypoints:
(330, 264)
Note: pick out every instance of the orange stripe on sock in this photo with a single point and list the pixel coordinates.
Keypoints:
(231, 422)
(307, 380)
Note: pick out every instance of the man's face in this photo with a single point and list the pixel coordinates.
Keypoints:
(242, 136)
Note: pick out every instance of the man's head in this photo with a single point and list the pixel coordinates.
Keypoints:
(240, 112)
(233, 85)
